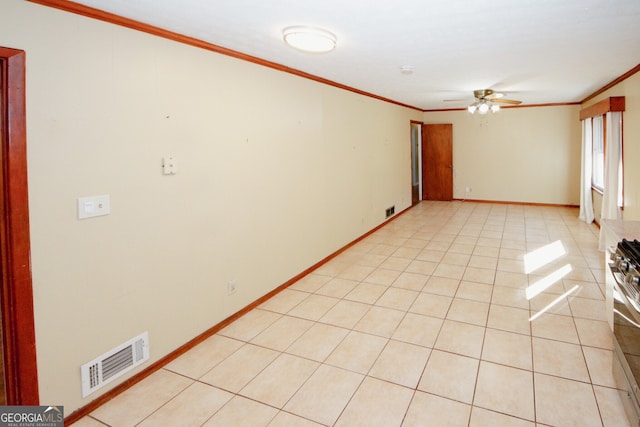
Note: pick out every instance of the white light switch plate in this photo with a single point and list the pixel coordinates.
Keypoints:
(88, 207)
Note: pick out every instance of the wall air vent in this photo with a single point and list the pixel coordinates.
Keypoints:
(114, 363)
(390, 211)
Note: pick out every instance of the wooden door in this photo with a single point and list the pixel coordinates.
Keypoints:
(437, 162)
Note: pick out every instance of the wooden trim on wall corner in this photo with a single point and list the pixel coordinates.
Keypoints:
(611, 84)
(79, 9)
(614, 103)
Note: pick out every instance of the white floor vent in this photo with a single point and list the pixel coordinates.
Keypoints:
(111, 365)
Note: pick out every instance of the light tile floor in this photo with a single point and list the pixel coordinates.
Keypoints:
(438, 319)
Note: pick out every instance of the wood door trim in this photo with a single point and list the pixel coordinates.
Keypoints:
(17, 292)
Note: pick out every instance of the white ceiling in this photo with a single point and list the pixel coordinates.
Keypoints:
(537, 51)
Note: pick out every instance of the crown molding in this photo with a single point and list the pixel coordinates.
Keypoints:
(611, 84)
(90, 12)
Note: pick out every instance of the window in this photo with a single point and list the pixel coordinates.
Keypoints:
(606, 143)
(597, 171)
(602, 161)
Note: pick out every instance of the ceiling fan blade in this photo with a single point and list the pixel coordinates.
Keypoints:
(494, 95)
(506, 101)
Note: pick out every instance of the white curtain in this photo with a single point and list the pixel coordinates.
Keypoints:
(612, 194)
(586, 201)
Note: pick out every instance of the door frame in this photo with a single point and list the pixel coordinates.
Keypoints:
(417, 151)
(16, 290)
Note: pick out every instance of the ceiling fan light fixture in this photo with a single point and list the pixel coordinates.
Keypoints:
(488, 100)
(309, 39)
(483, 108)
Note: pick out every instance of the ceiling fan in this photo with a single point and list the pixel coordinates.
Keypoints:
(488, 100)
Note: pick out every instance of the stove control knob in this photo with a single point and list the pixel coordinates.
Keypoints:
(633, 280)
(622, 265)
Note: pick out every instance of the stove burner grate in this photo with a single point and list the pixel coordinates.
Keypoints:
(631, 249)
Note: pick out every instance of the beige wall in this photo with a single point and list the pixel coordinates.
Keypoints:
(630, 89)
(527, 155)
(276, 172)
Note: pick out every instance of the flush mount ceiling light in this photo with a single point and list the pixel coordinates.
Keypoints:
(309, 39)
(407, 69)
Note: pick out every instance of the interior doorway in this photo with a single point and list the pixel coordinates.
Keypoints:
(416, 164)
(16, 294)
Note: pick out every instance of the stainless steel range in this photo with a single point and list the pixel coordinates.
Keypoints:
(625, 268)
